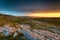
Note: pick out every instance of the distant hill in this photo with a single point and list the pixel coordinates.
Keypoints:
(8, 19)
(13, 20)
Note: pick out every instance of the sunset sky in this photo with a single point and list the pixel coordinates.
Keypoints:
(37, 15)
(38, 8)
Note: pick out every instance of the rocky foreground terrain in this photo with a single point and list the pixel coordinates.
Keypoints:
(29, 34)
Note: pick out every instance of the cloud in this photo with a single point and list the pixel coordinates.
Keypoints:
(30, 5)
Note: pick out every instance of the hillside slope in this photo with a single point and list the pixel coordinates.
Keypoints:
(54, 21)
(8, 19)
(31, 29)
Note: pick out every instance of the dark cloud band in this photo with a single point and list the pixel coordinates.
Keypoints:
(30, 5)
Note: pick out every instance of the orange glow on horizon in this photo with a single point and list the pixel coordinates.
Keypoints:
(44, 14)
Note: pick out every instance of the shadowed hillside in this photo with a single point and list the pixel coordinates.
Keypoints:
(54, 21)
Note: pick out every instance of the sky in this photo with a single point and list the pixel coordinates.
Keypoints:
(13, 13)
(38, 15)
(26, 7)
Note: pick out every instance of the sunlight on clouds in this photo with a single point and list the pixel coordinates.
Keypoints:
(44, 14)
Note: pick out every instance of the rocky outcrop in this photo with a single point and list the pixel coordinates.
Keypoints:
(30, 34)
